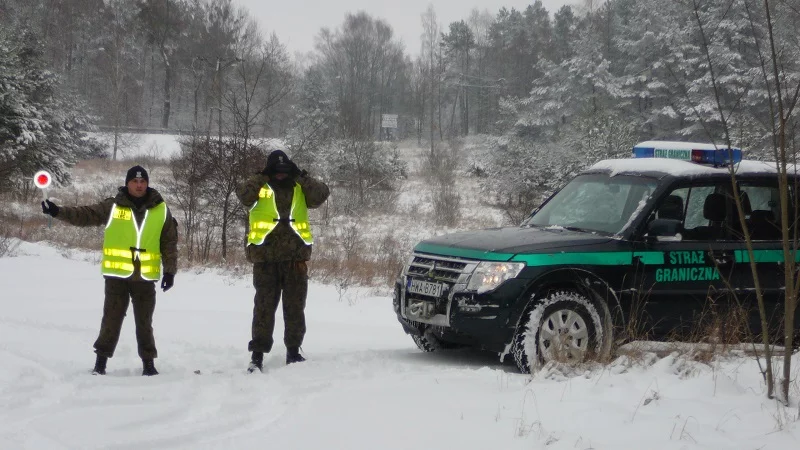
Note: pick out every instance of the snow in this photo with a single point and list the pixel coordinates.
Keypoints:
(132, 146)
(678, 145)
(679, 168)
(364, 386)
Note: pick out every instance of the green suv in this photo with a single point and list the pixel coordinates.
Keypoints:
(652, 242)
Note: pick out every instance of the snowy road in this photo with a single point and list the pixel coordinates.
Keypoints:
(365, 385)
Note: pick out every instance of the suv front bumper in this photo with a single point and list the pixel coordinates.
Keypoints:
(457, 315)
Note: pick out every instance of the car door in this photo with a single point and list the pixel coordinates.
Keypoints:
(679, 276)
(761, 205)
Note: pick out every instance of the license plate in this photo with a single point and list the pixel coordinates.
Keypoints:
(425, 288)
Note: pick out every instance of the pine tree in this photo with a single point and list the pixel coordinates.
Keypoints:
(40, 128)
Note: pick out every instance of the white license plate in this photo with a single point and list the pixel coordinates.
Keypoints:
(425, 288)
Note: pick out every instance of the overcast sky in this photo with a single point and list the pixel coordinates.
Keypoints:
(297, 22)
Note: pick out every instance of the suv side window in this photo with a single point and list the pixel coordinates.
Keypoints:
(709, 212)
(702, 209)
(761, 204)
(694, 210)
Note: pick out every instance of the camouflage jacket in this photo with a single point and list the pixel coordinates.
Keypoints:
(282, 244)
(97, 215)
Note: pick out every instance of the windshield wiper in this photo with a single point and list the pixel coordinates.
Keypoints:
(582, 230)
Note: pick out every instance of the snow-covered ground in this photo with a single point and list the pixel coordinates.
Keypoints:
(365, 385)
(133, 146)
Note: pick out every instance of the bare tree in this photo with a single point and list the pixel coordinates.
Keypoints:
(117, 56)
(784, 90)
(185, 189)
(361, 61)
(779, 70)
(431, 38)
(164, 23)
(262, 79)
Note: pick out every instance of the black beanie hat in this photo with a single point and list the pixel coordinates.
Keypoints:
(278, 162)
(136, 172)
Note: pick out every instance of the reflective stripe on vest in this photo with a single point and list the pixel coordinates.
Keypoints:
(125, 241)
(264, 216)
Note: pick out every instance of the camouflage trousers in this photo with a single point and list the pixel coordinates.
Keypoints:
(285, 282)
(119, 293)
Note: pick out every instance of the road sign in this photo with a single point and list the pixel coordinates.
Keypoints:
(389, 120)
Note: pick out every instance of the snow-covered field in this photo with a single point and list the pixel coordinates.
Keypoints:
(365, 385)
(132, 146)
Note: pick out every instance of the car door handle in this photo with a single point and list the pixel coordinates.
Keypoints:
(721, 258)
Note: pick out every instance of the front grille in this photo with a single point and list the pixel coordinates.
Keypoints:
(452, 273)
(442, 269)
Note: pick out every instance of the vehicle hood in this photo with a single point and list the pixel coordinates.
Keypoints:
(504, 243)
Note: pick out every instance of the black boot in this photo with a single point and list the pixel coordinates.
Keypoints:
(256, 362)
(148, 368)
(293, 355)
(100, 365)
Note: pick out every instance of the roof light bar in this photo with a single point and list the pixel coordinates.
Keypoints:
(688, 151)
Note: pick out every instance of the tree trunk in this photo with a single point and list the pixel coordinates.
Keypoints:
(453, 114)
(167, 90)
(433, 103)
(466, 99)
(225, 209)
(116, 140)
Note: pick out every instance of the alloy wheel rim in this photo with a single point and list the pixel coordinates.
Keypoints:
(563, 336)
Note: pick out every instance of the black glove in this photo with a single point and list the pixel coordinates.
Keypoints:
(49, 207)
(294, 171)
(167, 281)
(289, 168)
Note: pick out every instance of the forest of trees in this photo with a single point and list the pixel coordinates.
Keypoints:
(558, 89)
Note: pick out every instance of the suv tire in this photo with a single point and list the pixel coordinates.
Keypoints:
(564, 326)
(428, 342)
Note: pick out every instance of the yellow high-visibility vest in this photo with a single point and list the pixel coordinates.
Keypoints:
(264, 216)
(126, 241)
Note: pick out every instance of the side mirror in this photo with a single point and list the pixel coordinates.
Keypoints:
(664, 230)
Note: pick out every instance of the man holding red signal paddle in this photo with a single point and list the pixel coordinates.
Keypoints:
(140, 238)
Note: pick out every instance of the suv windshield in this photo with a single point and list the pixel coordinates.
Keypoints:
(595, 202)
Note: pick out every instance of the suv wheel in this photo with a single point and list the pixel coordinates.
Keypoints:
(425, 343)
(565, 327)
(428, 342)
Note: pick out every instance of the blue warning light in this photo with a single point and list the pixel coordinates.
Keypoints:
(688, 151)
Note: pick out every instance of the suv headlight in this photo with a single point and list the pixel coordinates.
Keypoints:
(489, 275)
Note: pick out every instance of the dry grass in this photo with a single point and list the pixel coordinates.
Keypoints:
(104, 165)
(8, 243)
(636, 326)
(346, 257)
(342, 254)
(720, 329)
